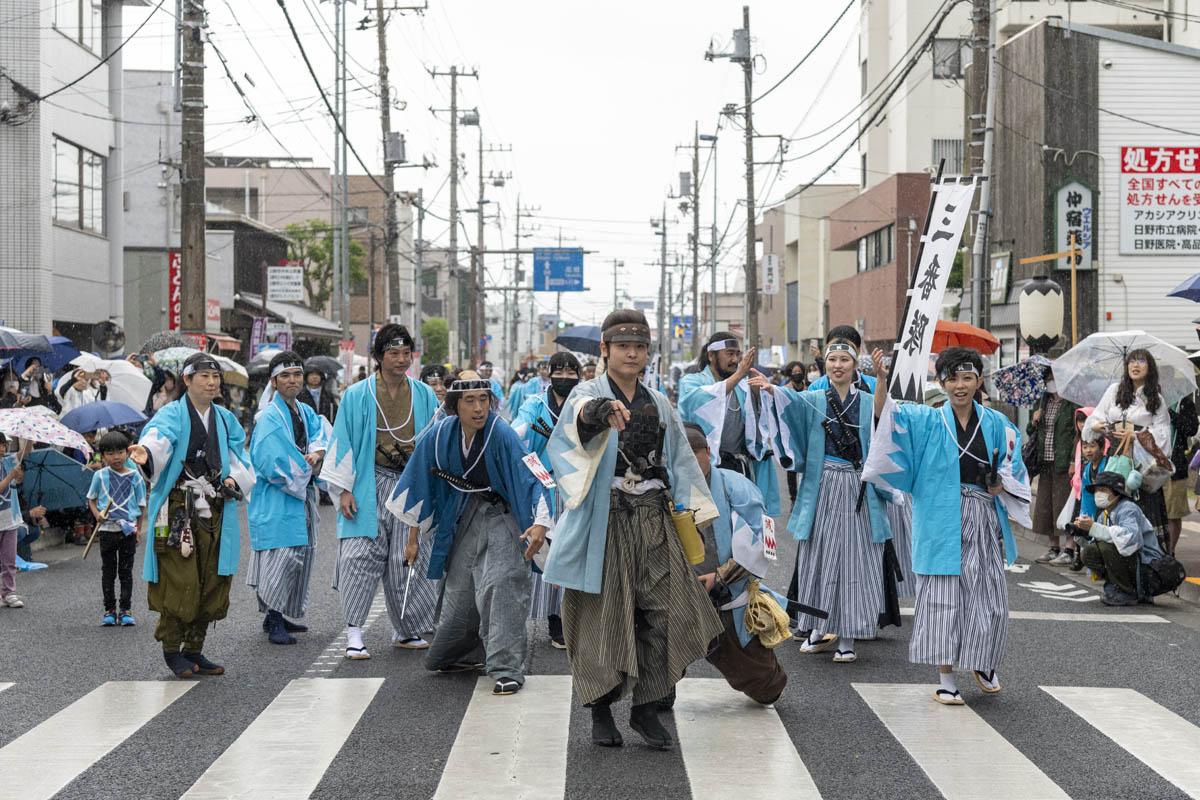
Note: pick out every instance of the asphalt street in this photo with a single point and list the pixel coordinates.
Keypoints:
(393, 737)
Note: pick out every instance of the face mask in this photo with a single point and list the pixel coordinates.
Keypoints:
(1051, 387)
(563, 386)
(1104, 500)
(797, 378)
(812, 376)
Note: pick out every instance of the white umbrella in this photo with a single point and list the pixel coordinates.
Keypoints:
(127, 383)
(1083, 373)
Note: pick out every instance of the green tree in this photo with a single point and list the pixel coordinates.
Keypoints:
(312, 248)
(435, 332)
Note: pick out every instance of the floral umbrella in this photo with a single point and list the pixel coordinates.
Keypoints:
(36, 425)
(1022, 384)
(172, 358)
(164, 339)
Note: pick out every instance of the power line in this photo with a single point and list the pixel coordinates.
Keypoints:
(106, 59)
(805, 57)
(332, 114)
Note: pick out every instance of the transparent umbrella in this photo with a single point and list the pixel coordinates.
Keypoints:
(1084, 372)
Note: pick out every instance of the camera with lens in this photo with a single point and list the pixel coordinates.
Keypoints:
(1074, 530)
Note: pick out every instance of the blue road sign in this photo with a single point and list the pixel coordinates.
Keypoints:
(557, 269)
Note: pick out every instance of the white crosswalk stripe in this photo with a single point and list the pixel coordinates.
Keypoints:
(36, 765)
(1055, 616)
(327, 710)
(1156, 736)
(964, 757)
(721, 731)
(514, 746)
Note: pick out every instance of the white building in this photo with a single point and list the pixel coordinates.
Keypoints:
(925, 118)
(62, 166)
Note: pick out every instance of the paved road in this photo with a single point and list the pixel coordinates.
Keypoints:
(1097, 703)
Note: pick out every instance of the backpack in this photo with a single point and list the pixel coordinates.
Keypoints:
(1162, 575)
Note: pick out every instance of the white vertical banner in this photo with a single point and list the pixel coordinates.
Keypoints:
(949, 206)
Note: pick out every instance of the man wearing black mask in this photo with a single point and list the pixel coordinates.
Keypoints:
(534, 424)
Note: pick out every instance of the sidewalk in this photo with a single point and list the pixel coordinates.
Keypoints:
(1188, 553)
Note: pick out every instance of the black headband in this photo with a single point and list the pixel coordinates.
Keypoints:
(627, 332)
(200, 366)
(471, 385)
(967, 366)
(398, 341)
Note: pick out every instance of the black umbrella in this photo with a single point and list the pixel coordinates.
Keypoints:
(326, 365)
(164, 339)
(581, 339)
(55, 481)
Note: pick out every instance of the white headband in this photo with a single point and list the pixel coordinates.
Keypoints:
(285, 366)
(841, 347)
(723, 344)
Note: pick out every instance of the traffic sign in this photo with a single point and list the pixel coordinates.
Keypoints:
(557, 269)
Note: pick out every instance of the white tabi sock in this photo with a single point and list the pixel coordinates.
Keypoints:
(845, 645)
(353, 636)
(947, 681)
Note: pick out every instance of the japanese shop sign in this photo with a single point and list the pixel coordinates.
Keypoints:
(1074, 214)
(1160, 201)
(949, 205)
(174, 291)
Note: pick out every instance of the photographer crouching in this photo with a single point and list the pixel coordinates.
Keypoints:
(1123, 543)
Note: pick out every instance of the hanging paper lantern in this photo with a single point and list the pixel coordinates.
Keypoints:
(1040, 314)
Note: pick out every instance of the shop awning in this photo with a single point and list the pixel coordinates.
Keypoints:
(225, 342)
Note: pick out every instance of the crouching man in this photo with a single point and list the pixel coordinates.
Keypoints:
(736, 557)
(466, 478)
(1122, 539)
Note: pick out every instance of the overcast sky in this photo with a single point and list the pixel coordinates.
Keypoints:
(593, 98)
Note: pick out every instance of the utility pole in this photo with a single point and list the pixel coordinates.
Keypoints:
(192, 255)
(478, 309)
(712, 256)
(391, 249)
(695, 238)
(419, 270)
(345, 222)
(617, 264)
(663, 350)
(984, 18)
(751, 266)
(456, 348)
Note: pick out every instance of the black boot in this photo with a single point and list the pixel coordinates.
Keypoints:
(202, 665)
(275, 629)
(182, 667)
(666, 703)
(645, 722)
(288, 625)
(604, 729)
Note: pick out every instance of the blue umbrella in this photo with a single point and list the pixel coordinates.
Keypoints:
(581, 339)
(15, 343)
(1189, 289)
(54, 481)
(64, 353)
(102, 414)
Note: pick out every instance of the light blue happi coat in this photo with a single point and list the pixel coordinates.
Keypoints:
(702, 400)
(166, 438)
(738, 533)
(350, 460)
(915, 450)
(126, 507)
(516, 396)
(497, 390)
(424, 500)
(276, 513)
(535, 408)
(803, 437)
(584, 475)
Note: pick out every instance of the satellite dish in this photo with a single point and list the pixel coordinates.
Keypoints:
(108, 337)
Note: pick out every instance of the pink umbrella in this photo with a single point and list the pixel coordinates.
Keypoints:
(38, 425)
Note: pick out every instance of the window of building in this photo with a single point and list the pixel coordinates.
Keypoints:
(78, 187)
(357, 215)
(81, 21)
(877, 248)
(947, 58)
(952, 151)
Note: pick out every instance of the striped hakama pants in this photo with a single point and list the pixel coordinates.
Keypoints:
(900, 518)
(363, 562)
(962, 619)
(651, 619)
(839, 568)
(485, 598)
(280, 576)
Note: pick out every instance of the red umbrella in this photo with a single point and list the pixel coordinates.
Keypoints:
(960, 334)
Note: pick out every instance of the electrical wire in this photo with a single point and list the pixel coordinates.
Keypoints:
(106, 59)
(805, 57)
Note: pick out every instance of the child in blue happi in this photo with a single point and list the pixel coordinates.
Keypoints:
(117, 499)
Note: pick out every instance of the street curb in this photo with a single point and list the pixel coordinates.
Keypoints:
(1187, 591)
